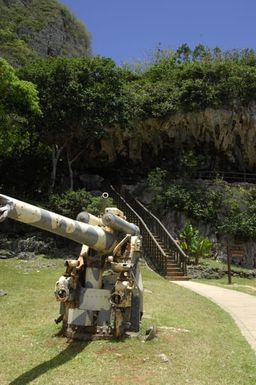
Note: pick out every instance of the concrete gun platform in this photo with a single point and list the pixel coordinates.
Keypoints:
(241, 307)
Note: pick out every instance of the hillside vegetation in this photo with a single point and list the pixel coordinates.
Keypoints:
(31, 28)
(227, 208)
(182, 108)
(106, 117)
(188, 80)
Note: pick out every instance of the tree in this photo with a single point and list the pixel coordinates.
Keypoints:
(79, 98)
(201, 53)
(184, 53)
(18, 102)
(217, 54)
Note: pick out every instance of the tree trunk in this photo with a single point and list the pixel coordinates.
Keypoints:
(71, 174)
(70, 163)
(56, 151)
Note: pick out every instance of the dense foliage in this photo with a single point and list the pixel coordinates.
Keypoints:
(81, 98)
(226, 208)
(18, 102)
(71, 203)
(196, 81)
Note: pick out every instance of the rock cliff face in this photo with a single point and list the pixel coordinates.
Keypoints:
(30, 28)
(232, 133)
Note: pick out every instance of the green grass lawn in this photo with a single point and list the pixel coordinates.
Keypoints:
(202, 343)
(222, 265)
(243, 285)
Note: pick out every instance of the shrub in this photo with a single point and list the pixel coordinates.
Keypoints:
(193, 244)
(228, 209)
(157, 179)
(98, 204)
(72, 203)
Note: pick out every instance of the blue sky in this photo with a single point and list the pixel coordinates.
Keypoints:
(128, 30)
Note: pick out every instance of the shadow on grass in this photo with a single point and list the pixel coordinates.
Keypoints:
(66, 355)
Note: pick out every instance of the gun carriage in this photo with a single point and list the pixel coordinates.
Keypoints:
(100, 293)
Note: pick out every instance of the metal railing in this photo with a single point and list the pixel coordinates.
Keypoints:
(229, 176)
(158, 229)
(151, 230)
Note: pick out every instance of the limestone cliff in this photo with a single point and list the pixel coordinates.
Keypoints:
(232, 133)
(30, 28)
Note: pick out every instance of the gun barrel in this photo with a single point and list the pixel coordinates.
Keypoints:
(120, 224)
(90, 219)
(93, 236)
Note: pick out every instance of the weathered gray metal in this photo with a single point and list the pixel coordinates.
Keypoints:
(100, 293)
(88, 218)
(120, 224)
(93, 236)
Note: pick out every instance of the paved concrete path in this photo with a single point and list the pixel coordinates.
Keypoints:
(242, 307)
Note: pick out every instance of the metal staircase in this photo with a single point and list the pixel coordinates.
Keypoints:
(160, 249)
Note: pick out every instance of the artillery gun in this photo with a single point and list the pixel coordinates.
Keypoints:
(100, 293)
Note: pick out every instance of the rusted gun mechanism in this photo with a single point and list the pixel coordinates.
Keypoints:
(100, 293)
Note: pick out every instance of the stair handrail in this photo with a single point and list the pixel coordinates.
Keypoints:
(160, 260)
(159, 229)
(238, 176)
(163, 228)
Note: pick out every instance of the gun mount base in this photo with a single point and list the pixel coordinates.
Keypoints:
(85, 333)
(100, 293)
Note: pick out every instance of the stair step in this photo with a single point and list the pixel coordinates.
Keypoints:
(178, 278)
(174, 273)
(172, 264)
(173, 269)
